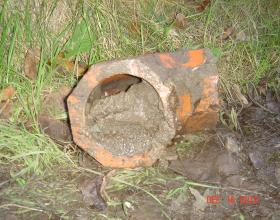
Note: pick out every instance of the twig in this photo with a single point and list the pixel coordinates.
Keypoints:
(126, 183)
(224, 188)
(261, 106)
(20, 206)
(3, 183)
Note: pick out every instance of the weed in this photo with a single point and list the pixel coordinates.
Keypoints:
(29, 152)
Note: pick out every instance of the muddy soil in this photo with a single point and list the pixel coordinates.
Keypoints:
(246, 163)
(225, 163)
(129, 122)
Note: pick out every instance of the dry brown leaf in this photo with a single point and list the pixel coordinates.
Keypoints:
(82, 68)
(55, 129)
(66, 66)
(200, 203)
(263, 86)
(134, 26)
(228, 32)
(203, 5)
(7, 93)
(180, 21)
(90, 189)
(239, 95)
(5, 110)
(31, 62)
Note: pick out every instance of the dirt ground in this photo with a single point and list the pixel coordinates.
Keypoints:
(241, 169)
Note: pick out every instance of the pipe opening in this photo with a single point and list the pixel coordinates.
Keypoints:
(124, 115)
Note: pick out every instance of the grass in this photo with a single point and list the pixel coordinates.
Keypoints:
(29, 153)
(95, 31)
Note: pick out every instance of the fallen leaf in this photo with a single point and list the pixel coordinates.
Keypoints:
(7, 93)
(31, 62)
(5, 102)
(228, 32)
(239, 95)
(81, 68)
(90, 189)
(66, 66)
(180, 21)
(203, 5)
(200, 203)
(5, 110)
(263, 86)
(55, 129)
(134, 26)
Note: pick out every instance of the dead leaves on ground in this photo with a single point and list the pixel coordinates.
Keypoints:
(134, 26)
(200, 203)
(180, 21)
(55, 102)
(5, 110)
(91, 191)
(228, 32)
(7, 93)
(6, 104)
(94, 190)
(31, 61)
(63, 65)
(232, 33)
(237, 91)
(56, 129)
(264, 97)
(66, 66)
(204, 4)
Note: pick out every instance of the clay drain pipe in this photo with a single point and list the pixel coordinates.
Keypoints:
(186, 82)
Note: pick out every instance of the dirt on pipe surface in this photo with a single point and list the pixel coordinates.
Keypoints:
(130, 121)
